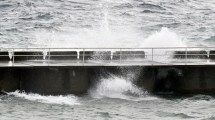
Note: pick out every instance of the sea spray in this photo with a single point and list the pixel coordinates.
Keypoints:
(115, 87)
(164, 43)
(62, 100)
(119, 88)
(107, 29)
(163, 38)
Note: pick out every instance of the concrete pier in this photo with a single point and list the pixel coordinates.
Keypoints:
(59, 55)
(27, 55)
(9, 79)
(74, 72)
(4, 56)
(128, 55)
(55, 80)
(191, 54)
(77, 80)
(179, 79)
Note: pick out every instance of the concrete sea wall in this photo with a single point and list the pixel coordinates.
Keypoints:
(179, 79)
(77, 80)
(43, 80)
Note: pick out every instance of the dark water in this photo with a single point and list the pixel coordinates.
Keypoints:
(199, 107)
(107, 23)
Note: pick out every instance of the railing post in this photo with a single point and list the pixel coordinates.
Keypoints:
(78, 55)
(83, 55)
(152, 56)
(120, 56)
(186, 56)
(13, 55)
(49, 57)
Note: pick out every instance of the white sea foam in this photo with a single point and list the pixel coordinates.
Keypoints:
(67, 100)
(116, 87)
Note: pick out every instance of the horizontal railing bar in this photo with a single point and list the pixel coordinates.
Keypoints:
(190, 54)
(43, 55)
(115, 48)
(82, 52)
(116, 55)
(178, 54)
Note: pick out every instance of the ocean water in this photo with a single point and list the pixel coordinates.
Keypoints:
(110, 98)
(122, 101)
(106, 23)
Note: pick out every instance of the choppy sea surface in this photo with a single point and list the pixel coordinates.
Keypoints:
(106, 23)
(23, 106)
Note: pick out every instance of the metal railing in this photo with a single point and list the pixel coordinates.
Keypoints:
(106, 56)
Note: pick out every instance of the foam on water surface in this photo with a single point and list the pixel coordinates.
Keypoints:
(62, 100)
